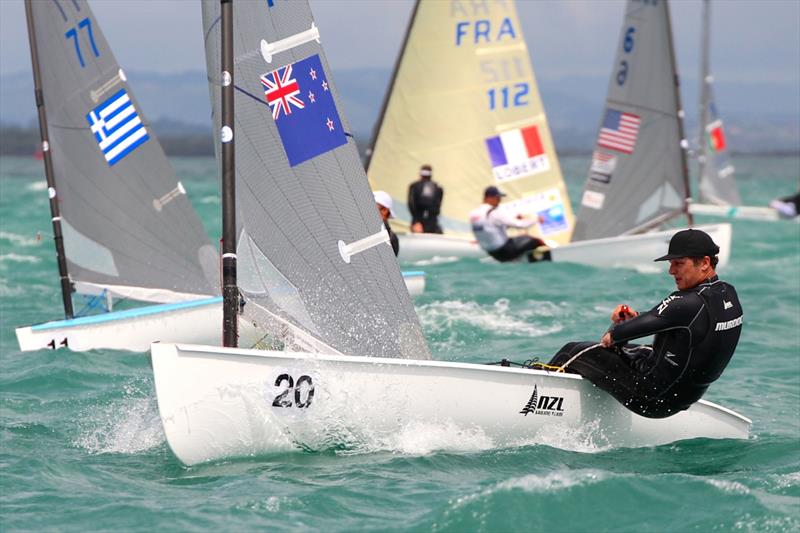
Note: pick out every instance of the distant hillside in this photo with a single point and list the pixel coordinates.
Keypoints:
(760, 116)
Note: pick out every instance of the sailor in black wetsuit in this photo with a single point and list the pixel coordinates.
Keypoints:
(696, 330)
(384, 204)
(424, 202)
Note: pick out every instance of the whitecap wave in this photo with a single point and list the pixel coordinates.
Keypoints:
(19, 240)
(18, 258)
(37, 186)
(128, 426)
(499, 318)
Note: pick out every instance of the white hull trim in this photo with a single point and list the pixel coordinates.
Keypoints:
(219, 403)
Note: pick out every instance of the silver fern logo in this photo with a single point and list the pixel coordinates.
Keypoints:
(543, 405)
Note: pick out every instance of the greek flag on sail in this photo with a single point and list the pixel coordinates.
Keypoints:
(117, 127)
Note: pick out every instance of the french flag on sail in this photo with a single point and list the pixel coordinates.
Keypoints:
(619, 131)
(517, 153)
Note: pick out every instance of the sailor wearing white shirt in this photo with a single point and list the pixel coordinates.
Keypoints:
(489, 226)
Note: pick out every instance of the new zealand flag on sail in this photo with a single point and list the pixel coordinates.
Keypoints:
(303, 109)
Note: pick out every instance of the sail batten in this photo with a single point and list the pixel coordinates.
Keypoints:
(300, 190)
(128, 220)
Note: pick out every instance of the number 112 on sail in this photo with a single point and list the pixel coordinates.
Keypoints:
(505, 97)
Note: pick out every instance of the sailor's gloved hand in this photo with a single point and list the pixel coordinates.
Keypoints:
(622, 313)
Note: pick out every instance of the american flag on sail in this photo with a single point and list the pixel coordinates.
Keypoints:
(619, 131)
(281, 91)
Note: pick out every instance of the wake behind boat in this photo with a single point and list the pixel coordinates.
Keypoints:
(219, 403)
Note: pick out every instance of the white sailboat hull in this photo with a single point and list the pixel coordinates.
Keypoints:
(196, 321)
(627, 251)
(218, 403)
(426, 246)
(636, 251)
(740, 212)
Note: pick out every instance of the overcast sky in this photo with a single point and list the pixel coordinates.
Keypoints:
(752, 40)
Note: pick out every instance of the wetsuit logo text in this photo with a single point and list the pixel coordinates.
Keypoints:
(665, 302)
(730, 324)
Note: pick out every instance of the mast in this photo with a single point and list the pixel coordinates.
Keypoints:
(230, 291)
(704, 68)
(55, 213)
(377, 129)
(681, 114)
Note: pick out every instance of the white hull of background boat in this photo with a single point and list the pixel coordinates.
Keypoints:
(426, 246)
(218, 403)
(636, 251)
(629, 251)
(195, 321)
(741, 212)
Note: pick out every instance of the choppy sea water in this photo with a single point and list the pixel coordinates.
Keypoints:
(81, 443)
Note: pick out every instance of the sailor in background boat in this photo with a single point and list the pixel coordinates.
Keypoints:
(787, 207)
(425, 202)
(696, 330)
(489, 225)
(384, 203)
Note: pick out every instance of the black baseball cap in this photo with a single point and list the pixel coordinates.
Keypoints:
(491, 190)
(690, 243)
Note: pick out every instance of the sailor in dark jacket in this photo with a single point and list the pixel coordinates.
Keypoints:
(696, 330)
(384, 203)
(424, 202)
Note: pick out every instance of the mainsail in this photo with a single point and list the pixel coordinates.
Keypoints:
(128, 226)
(715, 171)
(464, 99)
(313, 258)
(638, 176)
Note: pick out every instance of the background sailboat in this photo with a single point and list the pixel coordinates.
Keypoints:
(638, 179)
(323, 279)
(128, 228)
(464, 99)
(718, 193)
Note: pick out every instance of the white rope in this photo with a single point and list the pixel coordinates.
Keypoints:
(571, 359)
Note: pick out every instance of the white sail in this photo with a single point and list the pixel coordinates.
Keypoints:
(464, 99)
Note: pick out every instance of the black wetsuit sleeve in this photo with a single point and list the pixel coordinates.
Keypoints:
(678, 310)
(395, 242)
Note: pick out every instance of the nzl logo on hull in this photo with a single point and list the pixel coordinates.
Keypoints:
(543, 405)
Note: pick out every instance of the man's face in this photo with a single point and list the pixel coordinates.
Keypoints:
(492, 200)
(384, 211)
(687, 274)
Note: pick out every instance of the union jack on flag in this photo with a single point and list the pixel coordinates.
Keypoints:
(281, 91)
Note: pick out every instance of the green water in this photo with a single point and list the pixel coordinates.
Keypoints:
(82, 446)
